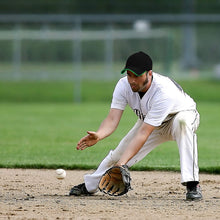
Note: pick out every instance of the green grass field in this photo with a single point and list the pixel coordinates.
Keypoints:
(44, 135)
(40, 126)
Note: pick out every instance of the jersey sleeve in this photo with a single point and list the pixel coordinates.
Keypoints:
(119, 100)
(160, 108)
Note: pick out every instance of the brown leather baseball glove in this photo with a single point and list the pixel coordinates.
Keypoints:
(116, 181)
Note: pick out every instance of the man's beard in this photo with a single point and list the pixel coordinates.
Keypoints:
(140, 88)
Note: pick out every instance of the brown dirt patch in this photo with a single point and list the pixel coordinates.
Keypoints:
(37, 194)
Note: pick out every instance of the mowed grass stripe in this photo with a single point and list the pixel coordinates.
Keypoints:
(44, 135)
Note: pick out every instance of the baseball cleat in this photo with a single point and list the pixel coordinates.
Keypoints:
(194, 193)
(79, 190)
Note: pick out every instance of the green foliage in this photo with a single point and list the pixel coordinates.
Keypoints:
(110, 6)
(44, 135)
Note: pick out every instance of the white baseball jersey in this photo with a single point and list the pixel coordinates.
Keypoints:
(164, 98)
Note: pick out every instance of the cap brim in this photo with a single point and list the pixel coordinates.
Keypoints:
(127, 69)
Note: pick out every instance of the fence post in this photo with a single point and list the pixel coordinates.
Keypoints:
(109, 48)
(17, 53)
(77, 62)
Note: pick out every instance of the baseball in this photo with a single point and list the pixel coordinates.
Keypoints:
(60, 174)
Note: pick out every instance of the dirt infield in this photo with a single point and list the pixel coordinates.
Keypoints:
(37, 194)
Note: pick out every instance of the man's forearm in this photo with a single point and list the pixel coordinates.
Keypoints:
(136, 144)
(110, 123)
(106, 128)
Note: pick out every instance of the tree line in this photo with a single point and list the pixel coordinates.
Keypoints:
(108, 6)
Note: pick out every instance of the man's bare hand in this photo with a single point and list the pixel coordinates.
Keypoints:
(88, 141)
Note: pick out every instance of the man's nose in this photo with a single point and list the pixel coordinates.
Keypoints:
(133, 80)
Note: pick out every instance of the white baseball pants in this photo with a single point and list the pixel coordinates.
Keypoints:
(181, 128)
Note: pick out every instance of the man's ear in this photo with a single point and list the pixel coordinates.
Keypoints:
(149, 73)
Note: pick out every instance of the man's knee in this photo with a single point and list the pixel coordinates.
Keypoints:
(115, 156)
(181, 124)
(186, 120)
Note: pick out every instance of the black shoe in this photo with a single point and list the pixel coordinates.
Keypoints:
(79, 190)
(193, 191)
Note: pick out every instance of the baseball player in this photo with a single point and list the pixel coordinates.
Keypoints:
(165, 112)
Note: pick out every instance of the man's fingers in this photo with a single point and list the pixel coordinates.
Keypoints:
(81, 146)
(87, 141)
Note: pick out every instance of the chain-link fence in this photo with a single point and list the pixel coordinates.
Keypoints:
(95, 47)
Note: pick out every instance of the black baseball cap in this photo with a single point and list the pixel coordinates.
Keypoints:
(138, 63)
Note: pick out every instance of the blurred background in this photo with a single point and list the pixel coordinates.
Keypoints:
(54, 41)
(60, 61)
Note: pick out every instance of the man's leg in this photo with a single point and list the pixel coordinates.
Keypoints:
(157, 137)
(92, 180)
(185, 124)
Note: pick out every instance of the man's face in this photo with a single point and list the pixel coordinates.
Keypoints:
(138, 83)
